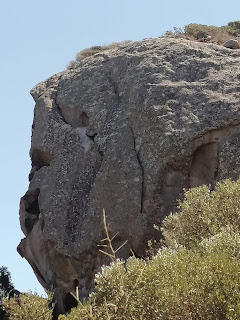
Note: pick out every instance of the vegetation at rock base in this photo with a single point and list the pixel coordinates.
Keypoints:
(203, 214)
(28, 307)
(194, 275)
(6, 286)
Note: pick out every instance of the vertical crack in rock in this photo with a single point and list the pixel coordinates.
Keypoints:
(55, 101)
(140, 166)
(114, 86)
(115, 107)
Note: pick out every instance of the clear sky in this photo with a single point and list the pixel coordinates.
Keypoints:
(38, 39)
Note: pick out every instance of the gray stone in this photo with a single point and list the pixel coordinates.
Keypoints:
(203, 37)
(125, 131)
(232, 44)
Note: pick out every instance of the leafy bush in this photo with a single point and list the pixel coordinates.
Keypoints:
(175, 284)
(193, 29)
(6, 286)
(234, 28)
(203, 214)
(27, 307)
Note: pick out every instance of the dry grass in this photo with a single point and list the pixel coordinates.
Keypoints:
(192, 31)
(99, 49)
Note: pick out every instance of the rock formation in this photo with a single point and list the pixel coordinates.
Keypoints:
(232, 44)
(126, 130)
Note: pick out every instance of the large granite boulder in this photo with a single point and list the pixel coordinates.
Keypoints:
(126, 130)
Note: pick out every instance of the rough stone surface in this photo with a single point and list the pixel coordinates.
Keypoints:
(126, 130)
(232, 44)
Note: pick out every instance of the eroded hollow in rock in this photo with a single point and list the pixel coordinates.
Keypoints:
(85, 119)
(204, 167)
(32, 208)
(39, 159)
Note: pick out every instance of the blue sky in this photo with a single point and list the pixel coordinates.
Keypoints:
(38, 39)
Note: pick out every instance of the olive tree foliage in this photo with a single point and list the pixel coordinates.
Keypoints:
(6, 286)
(27, 307)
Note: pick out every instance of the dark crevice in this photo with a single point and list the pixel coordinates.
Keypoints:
(59, 110)
(30, 200)
(70, 302)
(42, 225)
(114, 106)
(85, 119)
(56, 104)
(76, 283)
(115, 88)
(101, 153)
(91, 136)
(141, 167)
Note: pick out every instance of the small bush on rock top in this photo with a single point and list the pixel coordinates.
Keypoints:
(98, 49)
(194, 31)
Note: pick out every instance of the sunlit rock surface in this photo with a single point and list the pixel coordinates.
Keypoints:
(126, 130)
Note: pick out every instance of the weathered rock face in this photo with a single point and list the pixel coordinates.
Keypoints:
(126, 130)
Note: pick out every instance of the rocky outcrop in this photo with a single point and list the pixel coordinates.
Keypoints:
(126, 130)
(232, 44)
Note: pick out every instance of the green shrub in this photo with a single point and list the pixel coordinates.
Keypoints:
(27, 307)
(234, 28)
(194, 31)
(6, 286)
(203, 214)
(175, 284)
